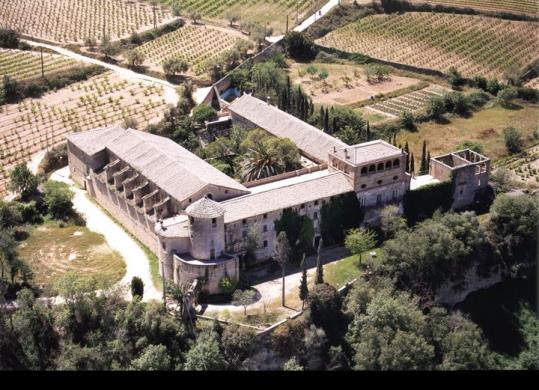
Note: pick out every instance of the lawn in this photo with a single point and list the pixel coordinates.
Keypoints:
(345, 270)
(485, 127)
(51, 251)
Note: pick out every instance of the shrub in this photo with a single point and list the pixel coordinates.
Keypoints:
(203, 113)
(407, 120)
(137, 287)
(493, 87)
(455, 78)
(478, 99)
(513, 140)
(298, 46)
(227, 285)
(58, 199)
(435, 107)
(9, 39)
(472, 145)
(22, 181)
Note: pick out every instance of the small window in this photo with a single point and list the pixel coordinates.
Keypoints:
(303, 205)
(316, 203)
(244, 234)
(226, 191)
(372, 168)
(315, 215)
(244, 221)
(265, 228)
(381, 166)
(395, 177)
(396, 163)
(209, 196)
(265, 243)
(265, 216)
(191, 220)
(388, 165)
(214, 221)
(190, 200)
(379, 182)
(364, 186)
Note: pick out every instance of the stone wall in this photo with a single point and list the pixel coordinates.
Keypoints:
(209, 273)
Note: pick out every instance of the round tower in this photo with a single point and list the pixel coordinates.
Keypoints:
(207, 229)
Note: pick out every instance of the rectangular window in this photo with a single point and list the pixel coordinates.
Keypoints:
(244, 221)
(244, 234)
(265, 228)
(214, 222)
(265, 216)
(316, 203)
(378, 200)
(265, 243)
(315, 215)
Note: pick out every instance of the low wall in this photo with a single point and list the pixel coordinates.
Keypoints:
(286, 175)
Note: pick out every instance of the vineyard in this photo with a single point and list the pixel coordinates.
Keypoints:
(262, 11)
(523, 168)
(410, 102)
(71, 21)
(528, 7)
(194, 44)
(475, 45)
(23, 65)
(36, 124)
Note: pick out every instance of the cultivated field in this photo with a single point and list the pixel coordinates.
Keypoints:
(36, 124)
(528, 7)
(533, 83)
(71, 21)
(194, 44)
(411, 102)
(524, 169)
(261, 11)
(345, 84)
(52, 251)
(475, 45)
(23, 65)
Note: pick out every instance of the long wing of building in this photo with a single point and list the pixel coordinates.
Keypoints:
(312, 142)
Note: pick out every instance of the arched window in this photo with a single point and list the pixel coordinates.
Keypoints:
(381, 166)
(396, 163)
(209, 196)
(388, 165)
(364, 171)
(372, 168)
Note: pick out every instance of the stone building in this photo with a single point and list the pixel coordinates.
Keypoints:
(197, 219)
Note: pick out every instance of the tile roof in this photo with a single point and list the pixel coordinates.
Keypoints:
(280, 198)
(205, 208)
(171, 167)
(368, 152)
(313, 142)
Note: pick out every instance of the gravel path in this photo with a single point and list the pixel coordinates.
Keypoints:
(137, 263)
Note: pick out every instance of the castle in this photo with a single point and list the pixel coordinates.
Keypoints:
(197, 219)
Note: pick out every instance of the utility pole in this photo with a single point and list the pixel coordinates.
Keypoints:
(42, 65)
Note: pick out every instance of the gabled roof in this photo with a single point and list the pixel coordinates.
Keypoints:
(312, 142)
(281, 198)
(171, 167)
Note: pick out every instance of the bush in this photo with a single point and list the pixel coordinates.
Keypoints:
(227, 286)
(506, 96)
(529, 94)
(203, 113)
(325, 307)
(29, 212)
(58, 199)
(137, 287)
(54, 159)
(478, 99)
(298, 46)
(22, 181)
(480, 82)
(435, 107)
(9, 39)
(407, 121)
(472, 145)
(493, 87)
(454, 77)
(513, 140)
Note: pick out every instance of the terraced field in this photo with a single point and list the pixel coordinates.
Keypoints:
(193, 44)
(528, 7)
(475, 45)
(71, 21)
(23, 65)
(262, 11)
(411, 102)
(36, 124)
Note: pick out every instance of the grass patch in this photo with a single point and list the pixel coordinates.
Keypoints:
(485, 126)
(51, 251)
(152, 258)
(345, 270)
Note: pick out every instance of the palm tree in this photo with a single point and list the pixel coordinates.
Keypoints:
(260, 161)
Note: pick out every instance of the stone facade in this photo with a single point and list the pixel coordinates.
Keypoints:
(469, 171)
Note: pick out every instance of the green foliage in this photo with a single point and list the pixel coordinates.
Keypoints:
(205, 354)
(243, 298)
(292, 365)
(236, 343)
(226, 285)
(9, 39)
(443, 249)
(391, 221)
(506, 96)
(513, 140)
(58, 199)
(299, 231)
(135, 57)
(472, 145)
(454, 77)
(203, 113)
(152, 358)
(360, 240)
(435, 107)
(423, 202)
(22, 181)
(338, 216)
(303, 287)
(325, 305)
(174, 65)
(493, 87)
(299, 46)
(513, 228)
(10, 215)
(407, 121)
(137, 287)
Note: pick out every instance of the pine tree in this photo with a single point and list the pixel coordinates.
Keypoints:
(303, 287)
(412, 164)
(319, 269)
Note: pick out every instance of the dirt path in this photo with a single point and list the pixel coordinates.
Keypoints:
(169, 89)
(137, 263)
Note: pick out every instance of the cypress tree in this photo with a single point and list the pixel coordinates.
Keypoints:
(407, 150)
(319, 269)
(428, 163)
(303, 287)
(412, 164)
(395, 139)
(321, 119)
(423, 158)
(368, 131)
(326, 121)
